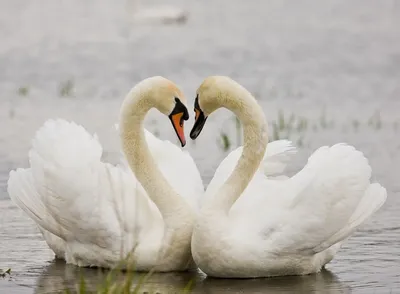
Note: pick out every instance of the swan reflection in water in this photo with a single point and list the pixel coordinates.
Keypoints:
(58, 276)
(323, 282)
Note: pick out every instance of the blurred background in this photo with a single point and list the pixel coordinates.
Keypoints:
(324, 72)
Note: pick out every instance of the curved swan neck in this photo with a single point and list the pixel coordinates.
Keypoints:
(243, 104)
(133, 111)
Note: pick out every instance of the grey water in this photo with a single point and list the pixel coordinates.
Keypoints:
(331, 67)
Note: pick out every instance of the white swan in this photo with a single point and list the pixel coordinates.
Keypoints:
(157, 14)
(250, 226)
(93, 213)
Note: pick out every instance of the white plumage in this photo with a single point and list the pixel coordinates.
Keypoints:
(252, 225)
(93, 213)
(96, 207)
(89, 211)
(277, 156)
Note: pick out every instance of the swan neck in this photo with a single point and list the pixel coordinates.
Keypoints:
(255, 135)
(141, 162)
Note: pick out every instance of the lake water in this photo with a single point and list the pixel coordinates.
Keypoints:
(334, 65)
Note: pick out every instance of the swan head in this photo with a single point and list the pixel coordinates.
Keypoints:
(166, 97)
(213, 93)
(170, 101)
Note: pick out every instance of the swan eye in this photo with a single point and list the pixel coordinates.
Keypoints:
(180, 108)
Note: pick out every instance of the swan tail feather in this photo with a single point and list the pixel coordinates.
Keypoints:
(65, 162)
(277, 156)
(22, 191)
(328, 204)
(65, 144)
(373, 199)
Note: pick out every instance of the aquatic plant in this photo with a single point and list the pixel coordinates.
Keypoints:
(115, 284)
(4, 273)
(120, 281)
(356, 124)
(294, 128)
(23, 91)
(275, 132)
(156, 133)
(66, 88)
(291, 127)
(238, 131)
(322, 120)
(224, 141)
(302, 124)
(375, 121)
(300, 142)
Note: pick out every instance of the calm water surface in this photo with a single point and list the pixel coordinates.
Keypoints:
(334, 65)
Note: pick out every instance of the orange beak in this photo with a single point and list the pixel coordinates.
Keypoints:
(177, 121)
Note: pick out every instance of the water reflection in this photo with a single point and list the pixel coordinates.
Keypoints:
(323, 282)
(57, 277)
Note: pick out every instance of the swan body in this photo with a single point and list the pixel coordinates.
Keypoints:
(164, 14)
(252, 226)
(93, 213)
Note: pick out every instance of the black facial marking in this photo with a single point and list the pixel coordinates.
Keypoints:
(180, 108)
(200, 121)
